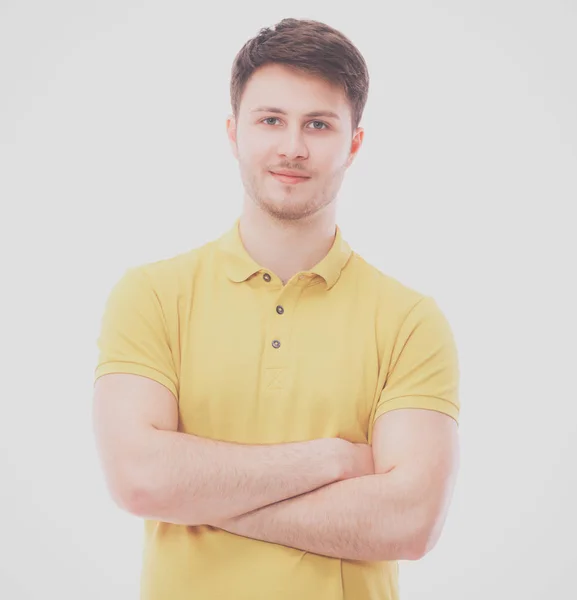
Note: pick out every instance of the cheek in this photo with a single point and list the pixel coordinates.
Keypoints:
(254, 155)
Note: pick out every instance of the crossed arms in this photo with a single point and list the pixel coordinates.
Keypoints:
(303, 495)
(396, 513)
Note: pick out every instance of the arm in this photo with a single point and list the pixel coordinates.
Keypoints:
(396, 514)
(399, 512)
(368, 518)
(158, 473)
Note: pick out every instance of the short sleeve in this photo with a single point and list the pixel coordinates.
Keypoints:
(133, 335)
(424, 368)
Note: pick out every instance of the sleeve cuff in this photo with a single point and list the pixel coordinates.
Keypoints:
(135, 369)
(425, 402)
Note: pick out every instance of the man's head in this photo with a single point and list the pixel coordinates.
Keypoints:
(279, 79)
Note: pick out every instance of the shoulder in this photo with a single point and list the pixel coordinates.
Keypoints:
(175, 275)
(393, 296)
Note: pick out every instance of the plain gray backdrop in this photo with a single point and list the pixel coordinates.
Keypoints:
(113, 152)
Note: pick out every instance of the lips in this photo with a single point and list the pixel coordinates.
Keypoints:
(289, 174)
(289, 178)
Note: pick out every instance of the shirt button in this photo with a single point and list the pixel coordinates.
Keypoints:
(276, 344)
(266, 277)
(279, 310)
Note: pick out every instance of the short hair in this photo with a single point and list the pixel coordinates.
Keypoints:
(306, 46)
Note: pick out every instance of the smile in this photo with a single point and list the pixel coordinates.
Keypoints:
(289, 179)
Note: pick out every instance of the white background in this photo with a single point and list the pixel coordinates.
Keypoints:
(113, 153)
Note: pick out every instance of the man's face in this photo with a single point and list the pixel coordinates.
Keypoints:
(320, 147)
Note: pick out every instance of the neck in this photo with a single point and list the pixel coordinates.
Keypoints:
(287, 247)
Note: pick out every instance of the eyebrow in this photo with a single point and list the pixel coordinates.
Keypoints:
(280, 111)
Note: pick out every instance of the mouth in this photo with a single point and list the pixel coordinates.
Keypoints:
(289, 178)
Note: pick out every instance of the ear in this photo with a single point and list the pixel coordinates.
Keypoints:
(231, 133)
(356, 145)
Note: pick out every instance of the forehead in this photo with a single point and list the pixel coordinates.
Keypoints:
(292, 91)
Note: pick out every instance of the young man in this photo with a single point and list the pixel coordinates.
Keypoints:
(281, 414)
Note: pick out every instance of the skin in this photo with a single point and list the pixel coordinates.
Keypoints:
(392, 505)
(290, 228)
(399, 512)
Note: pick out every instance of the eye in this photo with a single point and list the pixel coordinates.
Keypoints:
(325, 126)
(321, 122)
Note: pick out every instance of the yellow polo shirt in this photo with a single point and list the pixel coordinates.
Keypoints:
(254, 362)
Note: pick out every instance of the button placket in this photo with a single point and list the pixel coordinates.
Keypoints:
(280, 311)
(290, 295)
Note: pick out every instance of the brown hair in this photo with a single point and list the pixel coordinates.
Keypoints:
(307, 46)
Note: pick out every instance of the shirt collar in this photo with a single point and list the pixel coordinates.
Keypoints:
(240, 265)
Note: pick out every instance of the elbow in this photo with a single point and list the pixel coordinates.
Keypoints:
(155, 504)
(416, 550)
(130, 494)
(137, 500)
(418, 539)
(424, 540)
(412, 545)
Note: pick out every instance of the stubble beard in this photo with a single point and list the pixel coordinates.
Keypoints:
(288, 203)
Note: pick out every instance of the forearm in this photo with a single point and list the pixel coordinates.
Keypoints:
(366, 518)
(186, 479)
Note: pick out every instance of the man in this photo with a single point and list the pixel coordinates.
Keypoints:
(282, 415)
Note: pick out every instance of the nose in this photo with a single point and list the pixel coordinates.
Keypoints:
(292, 144)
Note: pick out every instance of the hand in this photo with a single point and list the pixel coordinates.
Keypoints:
(357, 461)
